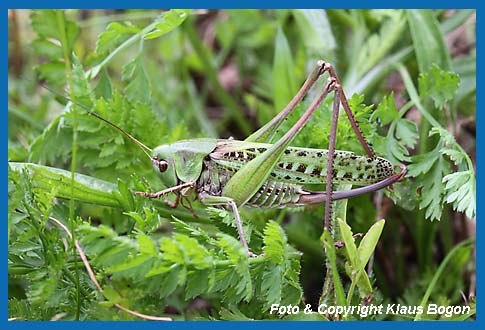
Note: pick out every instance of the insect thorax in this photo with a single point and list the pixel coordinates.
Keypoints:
(272, 194)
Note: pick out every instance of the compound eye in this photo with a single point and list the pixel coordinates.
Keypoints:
(160, 164)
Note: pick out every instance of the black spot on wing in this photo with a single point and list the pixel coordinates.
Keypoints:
(301, 168)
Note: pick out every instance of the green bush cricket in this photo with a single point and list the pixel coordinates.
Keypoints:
(255, 173)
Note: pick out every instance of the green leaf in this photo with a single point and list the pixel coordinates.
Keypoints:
(378, 45)
(428, 41)
(432, 192)
(274, 242)
(386, 110)
(329, 244)
(369, 242)
(284, 86)
(424, 162)
(292, 290)
(316, 32)
(271, 285)
(168, 22)
(171, 252)
(135, 267)
(52, 41)
(348, 239)
(194, 254)
(146, 245)
(103, 88)
(104, 245)
(47, 48)
(238, 257)
(407, 132)
(46, 24)
(395, 151)
(461, 191)
(54, 72)
(139, 87)
(441, 86)
(455, 155)
(86, 189)
(198, 282)
(430, 169)
(114, 35)
(112, 295)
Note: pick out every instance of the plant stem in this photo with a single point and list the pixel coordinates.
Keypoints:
(72, 221)
(92, 73)
(440, 271)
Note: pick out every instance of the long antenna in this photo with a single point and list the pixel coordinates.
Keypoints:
(143, 147)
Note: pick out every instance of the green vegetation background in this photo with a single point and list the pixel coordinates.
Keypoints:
(167, 76)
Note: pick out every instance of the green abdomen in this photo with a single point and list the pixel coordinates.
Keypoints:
(305, 165)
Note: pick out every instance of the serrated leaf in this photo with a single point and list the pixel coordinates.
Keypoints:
(386, 110)
(407, 132)
(167, 22)
(135, 267)
(239, 259)
(172, 279)
(461, 191)
(47, 48)
(114, 35)
(171, 251)
(423, 163)
(274, 242)
(195, 255)
(189, 230)
(432, 192)
(104, 89)
(233, 314)
(198, 282)
(441, 86)
(146, 245)
(447, 137)
(139, 87)
(292, 291)
(46, 24)
(271, 285)
(455, 155)
(395, 151)
(54, 72)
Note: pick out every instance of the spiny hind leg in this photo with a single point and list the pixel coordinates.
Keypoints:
(331, 151)
(348, 111)
(265, 133)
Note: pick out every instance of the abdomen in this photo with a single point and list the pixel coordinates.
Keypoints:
(305, 165)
